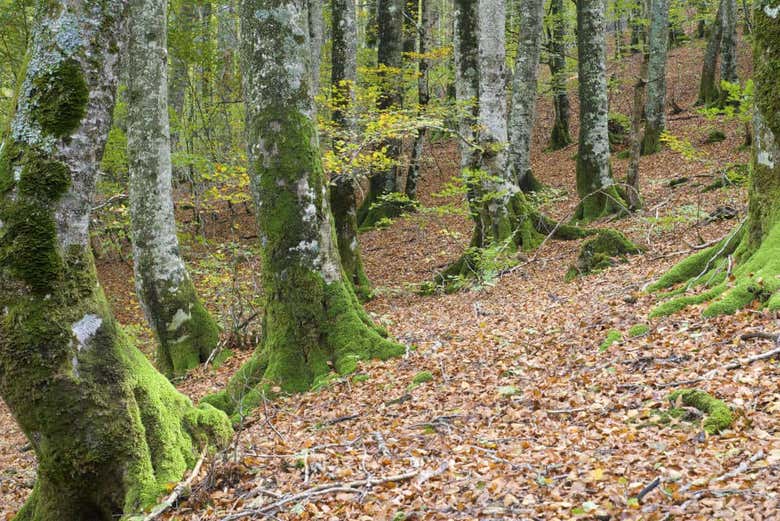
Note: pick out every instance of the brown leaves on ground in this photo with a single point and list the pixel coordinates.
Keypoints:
(525, 417)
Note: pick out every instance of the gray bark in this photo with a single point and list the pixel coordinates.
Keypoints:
(186, 332)
(595, 184)
(708, 90)
(108, 430)
(658, 38)
(316, 40)
(728, 46)
(343, 187)
(524, 91)
(560, 136)
(466, 76)
(423, 97)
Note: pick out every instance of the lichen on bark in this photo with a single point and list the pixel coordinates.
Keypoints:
(313, 323)
(186, 332)
(109, 432)
(599, 195)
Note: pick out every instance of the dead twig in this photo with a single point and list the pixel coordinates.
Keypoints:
(177, 492)
(351, 487)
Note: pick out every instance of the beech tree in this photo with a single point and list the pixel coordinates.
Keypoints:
(708, 89)
(599, 195)
(423, 97)
(343, 197)
(524, 93)
(504, 219)
(312, 320)
(560, 136)
(390, 18)
(658, 42)
(109, 431)
(753, 245)
(186, 332)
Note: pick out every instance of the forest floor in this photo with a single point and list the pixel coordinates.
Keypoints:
(523, 416)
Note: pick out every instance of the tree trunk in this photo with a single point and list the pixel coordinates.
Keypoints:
(504, 220)
(658, 39)
(423, 97)
(598, 194)
(182, 23)
(311, 317)
(186, 332)
(342, 193)
(524, 92)
(466, 77)
(108, 430)
(375, 207)
(560, 137)
(708, 89)
(754, 245)
(316, 39)
(728, 46)
(633, 196)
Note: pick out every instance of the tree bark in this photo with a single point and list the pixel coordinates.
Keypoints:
(524, 92)
(754, 245)
(108, 430)
(658, 38)
(186, 332)
(560, 137)
(311, 316)
(374, 207)
(728, 46)
(598, 194)
(708, 90)
(316, 39)
(343, 190)
(423, 97)
(633, 197)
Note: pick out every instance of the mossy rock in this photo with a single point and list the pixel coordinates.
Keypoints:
(619, 126)
(719, 416)
(602, 252)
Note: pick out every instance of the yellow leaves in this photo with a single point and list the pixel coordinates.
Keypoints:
(597, 474)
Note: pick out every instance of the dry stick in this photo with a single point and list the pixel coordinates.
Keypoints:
(177, 492)
(321, 490)
(737, 363)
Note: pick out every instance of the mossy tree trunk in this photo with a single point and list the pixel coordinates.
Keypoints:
(754, 245)
(186, 332)
(658, 43)
(316, 40)
(560, 136)
(374, 207)
(504, 220)
(343, 187)
(423, 98)
(728, 46)
(524, 93)
(708, 89)
(312, 321)
(599, 195)
(108, 430)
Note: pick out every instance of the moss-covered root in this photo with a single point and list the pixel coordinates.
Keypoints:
(186, 331)
(107, 451)
(601, 252)
(756, 279)
(376, 212)
(719, 415)
(601, 203)
(527, 229)
(295, 359)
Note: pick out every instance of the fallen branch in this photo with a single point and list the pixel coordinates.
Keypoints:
(174, 496)
(737, 363)
(649, 488)
(350, 487)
